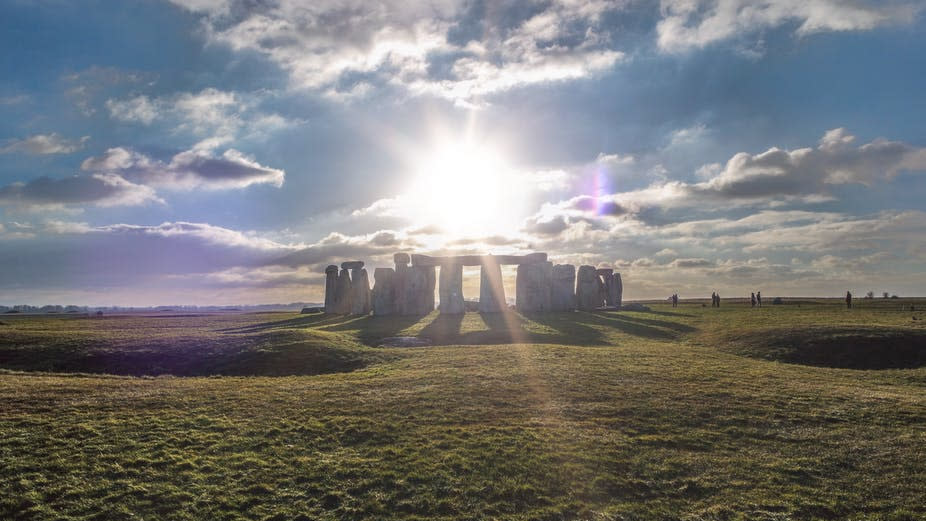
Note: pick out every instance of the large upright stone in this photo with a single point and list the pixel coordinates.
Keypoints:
(451, 289)
(360, 287)
(604, 288)
(491, 288)
(401, 283)
(533, 286)
(383, 291)
(588, 289)
(563, 288)
(419, 290)
(343, 294)
(331, 285)
(617, 290)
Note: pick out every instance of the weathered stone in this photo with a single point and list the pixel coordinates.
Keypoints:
(588, 289)
(343, 294)
(383, 291)
(491, 289)
(419, 290)
(360, 287)
(331, 284)
(451, 289)
(351, 265)
(533, 285)
(617, 290)
(401, 288)
(563, 288)
(400, 258)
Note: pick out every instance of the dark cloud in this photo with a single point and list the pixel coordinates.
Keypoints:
(98, 190)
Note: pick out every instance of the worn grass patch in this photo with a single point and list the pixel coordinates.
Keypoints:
(638, 416)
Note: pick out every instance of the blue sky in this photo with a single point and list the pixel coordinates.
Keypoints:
(219, 152)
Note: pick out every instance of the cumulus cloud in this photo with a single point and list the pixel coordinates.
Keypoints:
(103, 190)
(43, 144)
(195, 168)
(453, 49)
(221, 115)
(776, 175)
(688, 24)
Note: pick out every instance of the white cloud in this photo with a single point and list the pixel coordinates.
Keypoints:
(451, 49)
(688, 24)
(195, 168)
(44, 144)
(210, 112)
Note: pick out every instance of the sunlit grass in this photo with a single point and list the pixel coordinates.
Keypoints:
(656, 415)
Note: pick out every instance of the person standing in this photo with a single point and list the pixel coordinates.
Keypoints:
(759, 298)
(848, 300)
(752, 299)
(713, 299)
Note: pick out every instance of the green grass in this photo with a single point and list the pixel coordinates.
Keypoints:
(691, 413)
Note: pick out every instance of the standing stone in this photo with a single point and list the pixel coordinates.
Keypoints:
(418, 284)
(451, 289)
(401, 283)
(360, 287)
(588, 290)
(617, 290)
(533, 286)
(491, 288)
(351, 265)
(383, 291)
(331, 285)
(563, 288)
(343, 294)
(604, 275)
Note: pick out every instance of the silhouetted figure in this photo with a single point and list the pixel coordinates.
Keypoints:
(675, 300)
(848, 300)
(759, 298)
(752, 299)
(717, 297)
(713, 299)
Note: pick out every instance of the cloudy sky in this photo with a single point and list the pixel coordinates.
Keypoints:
(225, 151)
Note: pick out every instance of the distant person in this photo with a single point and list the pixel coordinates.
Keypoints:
(848, 300)
(713, 299)
(718, 299)
(759, 298)
(675, 300)
(752, 299)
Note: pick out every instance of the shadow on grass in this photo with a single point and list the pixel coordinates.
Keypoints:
(837, 347)
(302, 321)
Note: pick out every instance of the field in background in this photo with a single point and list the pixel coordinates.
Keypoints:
(800, 411)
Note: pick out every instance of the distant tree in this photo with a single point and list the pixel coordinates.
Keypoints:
(886, 295)
(894, 296)
(870, 295)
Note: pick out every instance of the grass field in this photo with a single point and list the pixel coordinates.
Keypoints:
(800, 411)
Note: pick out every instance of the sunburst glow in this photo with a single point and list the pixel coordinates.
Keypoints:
(466, 189)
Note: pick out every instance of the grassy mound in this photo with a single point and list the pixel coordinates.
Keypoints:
(264, 351)
(838, 347)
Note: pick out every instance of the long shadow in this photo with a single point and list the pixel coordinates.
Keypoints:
(443, 328)
(370, 329)
(632, 326)
(675, 326)
(298, 322)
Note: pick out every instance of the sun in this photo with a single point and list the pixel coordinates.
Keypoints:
(466, 190)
